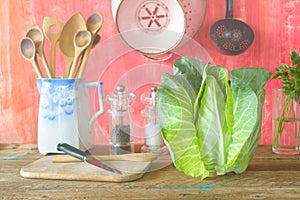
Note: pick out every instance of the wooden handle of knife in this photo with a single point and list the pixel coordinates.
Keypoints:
(138, 157)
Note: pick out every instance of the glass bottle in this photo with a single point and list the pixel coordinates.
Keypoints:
(153, 138)
(120, 118)
(285, 123)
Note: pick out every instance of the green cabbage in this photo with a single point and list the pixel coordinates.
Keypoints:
(209, 124)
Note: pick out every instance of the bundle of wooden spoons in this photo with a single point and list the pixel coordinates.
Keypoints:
(76, 38)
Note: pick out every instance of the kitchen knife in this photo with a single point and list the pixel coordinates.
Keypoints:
(72, 151)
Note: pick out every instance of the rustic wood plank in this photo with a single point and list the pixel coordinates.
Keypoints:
(267, 177)
(228, 193)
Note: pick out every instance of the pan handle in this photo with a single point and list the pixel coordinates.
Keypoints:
(72, 151)
(229, 9)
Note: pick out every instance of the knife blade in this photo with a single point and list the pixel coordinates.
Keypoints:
(77, 153)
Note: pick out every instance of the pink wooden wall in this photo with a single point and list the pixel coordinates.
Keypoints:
(276, 24)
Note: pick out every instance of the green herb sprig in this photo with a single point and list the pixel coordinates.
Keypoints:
(290, 79)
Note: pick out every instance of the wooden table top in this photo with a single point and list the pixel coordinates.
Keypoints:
(268, 176)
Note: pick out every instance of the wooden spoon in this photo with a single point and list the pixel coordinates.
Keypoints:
(96, 40)
(73, 25)
(52, 28)
(82, 40)
(37, 36)
(137, 157)
(28, 52)
(94, 23)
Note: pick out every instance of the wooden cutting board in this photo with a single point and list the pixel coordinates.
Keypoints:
(44, 168)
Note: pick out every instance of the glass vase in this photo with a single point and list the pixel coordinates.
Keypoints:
(285, 123)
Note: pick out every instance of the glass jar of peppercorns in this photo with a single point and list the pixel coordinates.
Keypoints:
(121, 117)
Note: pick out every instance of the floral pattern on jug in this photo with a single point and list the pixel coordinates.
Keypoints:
(57, 99)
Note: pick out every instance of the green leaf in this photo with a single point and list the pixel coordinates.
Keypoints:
(192, 69)
(188, 65)
(210, 132)
(295, 57)
(248, 92)
(176, 117)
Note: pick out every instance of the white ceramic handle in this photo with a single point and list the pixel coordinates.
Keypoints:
(101, 103)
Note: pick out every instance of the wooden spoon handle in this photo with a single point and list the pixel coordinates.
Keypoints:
(48, 23)
(138, 157)
(37, 68)
(82, 65)
(53, 58)
(48, 71)
(68, 63)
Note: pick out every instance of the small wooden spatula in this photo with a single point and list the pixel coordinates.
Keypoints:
(138, 157)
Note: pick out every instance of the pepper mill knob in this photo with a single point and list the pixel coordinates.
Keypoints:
(153, 89)
(120, 88)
